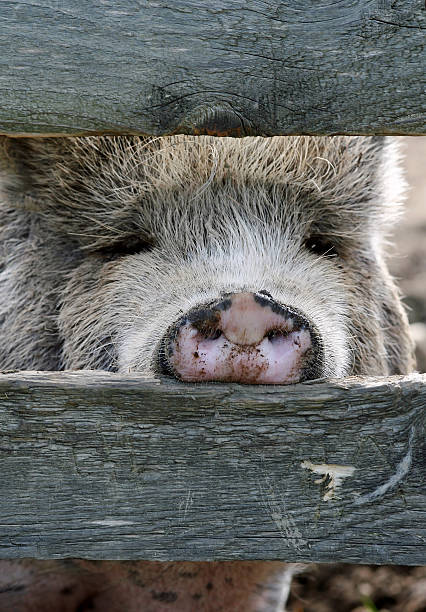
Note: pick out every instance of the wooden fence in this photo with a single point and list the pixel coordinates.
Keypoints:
(228, 67)
(106, 466)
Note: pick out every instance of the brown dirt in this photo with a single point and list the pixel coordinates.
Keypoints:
(364, 588)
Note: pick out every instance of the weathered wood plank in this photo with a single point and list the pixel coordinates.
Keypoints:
(105, 466)
(224, 67)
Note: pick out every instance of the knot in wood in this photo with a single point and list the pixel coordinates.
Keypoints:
(217, 120)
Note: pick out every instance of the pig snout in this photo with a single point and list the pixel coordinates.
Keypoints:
(246, 338)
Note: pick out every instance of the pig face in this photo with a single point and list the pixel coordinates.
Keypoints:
(165, 306)
(254, 260)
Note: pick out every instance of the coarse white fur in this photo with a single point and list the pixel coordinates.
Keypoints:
(212, 215)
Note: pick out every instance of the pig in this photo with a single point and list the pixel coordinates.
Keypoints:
(254, 260)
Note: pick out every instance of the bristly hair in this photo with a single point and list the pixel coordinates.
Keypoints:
(105, 241)
(104, 190)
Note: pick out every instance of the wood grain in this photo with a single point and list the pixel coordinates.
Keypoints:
(105, 466)
(227, 67)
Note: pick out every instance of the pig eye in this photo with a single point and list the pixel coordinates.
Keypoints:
(215, 335)
(320, 246)
(131, 246)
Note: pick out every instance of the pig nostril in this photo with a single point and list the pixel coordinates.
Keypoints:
(275, 334)
(215, 335)
(251, 339)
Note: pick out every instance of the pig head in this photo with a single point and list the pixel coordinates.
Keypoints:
(253, 260)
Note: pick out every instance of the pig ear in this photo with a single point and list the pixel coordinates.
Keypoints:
(375, 182)
(362, 191)
(390, 179)
(379, 163)
(87, 186)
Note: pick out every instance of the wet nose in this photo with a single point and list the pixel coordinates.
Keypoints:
(246, 338)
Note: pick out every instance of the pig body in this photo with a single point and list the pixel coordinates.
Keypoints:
(136, 254)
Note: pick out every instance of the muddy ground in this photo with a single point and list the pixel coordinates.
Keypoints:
(346, 588)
